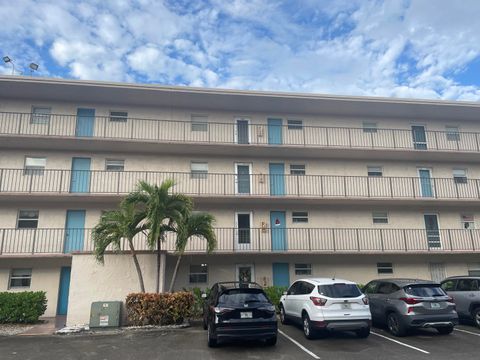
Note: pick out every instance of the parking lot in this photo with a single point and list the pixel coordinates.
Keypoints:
(191, 344)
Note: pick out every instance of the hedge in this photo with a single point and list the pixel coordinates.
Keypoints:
(274, 294)
(159, 309)
(22, 307)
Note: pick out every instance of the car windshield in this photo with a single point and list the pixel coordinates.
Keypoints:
(235, 297)
(339, 290)
(424, 290)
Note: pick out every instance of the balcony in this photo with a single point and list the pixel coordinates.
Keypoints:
(84, 183)
(242, 134)
(22, 242)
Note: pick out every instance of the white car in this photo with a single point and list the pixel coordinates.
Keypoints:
(322, 304)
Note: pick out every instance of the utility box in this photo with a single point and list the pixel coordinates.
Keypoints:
(105, 314)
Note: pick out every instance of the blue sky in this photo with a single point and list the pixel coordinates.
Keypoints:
(400, 48)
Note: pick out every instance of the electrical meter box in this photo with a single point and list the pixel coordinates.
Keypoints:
(105, 314)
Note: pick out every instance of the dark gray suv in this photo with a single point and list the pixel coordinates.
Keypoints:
(465, 290)
(403, 304)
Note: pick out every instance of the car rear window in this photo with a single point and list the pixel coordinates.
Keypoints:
(339, 290)
(241, 296)
(423, 290)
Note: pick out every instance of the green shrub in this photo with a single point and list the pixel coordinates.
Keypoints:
(199, 302)
(159, 309)
(22, 307)
(274, 293)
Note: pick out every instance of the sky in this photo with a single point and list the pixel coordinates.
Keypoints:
(426, 49)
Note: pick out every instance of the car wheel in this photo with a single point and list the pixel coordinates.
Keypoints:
(363, 332)
(271, 341)
(476, 316)
(283, 316)
(308, 331)
(395, 326)
(212, 341)
(445, 330)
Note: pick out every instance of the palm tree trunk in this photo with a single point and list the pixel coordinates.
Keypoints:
(157, 285)
(175, 271)
(137, 265)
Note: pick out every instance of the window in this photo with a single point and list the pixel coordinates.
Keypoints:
(473, 272)
(35, 165)
(467, 285)
(387, 288)
(449, 285)
(369, 127)
(468, 221)
(452, 133)
(374, 171)
(198, 170)
(460, 176)
(380, 217)
(243, 224)
(303, 269)
(295, 124)
(370, 288)
(384, 268)
(198, 274)
(27, 219)
(118, 116)
(199, 122)
(115, 165)
(40, 115)
(297, 169)
(339, 290)
(300, 217)
(20, 278)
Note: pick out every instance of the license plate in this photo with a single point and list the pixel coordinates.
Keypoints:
(246, 315)
(346, 306)
(435, 305)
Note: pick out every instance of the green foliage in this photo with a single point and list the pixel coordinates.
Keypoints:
(274, 293)
(199, 301)
(22, 307)
(159, 309)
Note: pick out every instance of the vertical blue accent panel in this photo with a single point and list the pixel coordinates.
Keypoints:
(63, 291)
(85, 122)
(425, 183)
(74, 231)
(80, 180)
(275, 131)
(281, 274)
(279, 231)
(277, 179)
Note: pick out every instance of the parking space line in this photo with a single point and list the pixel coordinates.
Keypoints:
(467, 332)
(399, 342)
(299, 345)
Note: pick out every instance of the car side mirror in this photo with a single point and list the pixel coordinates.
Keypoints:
(204, 296)
(285, 293)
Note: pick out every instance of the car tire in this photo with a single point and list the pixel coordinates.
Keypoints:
(212, 341)
(476, 316)
(445, 330)
(363, 332)
(271, 341)
(395, 326)
(283, 316)
(308, 330)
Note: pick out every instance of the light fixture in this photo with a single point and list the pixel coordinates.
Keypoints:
(33, 66)
(6, 59)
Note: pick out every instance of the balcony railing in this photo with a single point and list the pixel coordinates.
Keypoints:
(263, 240)
(158, 130)
(17, 181)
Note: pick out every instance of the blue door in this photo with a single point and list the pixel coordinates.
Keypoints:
(279, 231)
(277, 179)
(281, 274)
(63, 290)
(275, 131)
(80, 179)
(74, 231)
(85, 122)
(425, 183)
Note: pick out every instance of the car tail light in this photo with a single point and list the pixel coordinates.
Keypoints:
(318, 301)
(221, 310)
(365, 300)
(411, 301)
(451, 300)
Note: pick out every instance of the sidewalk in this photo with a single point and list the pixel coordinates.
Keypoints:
(47, 327)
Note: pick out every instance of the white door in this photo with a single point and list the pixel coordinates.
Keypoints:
(243, 178)
(243, 230)
(245, 273)
(242, 131)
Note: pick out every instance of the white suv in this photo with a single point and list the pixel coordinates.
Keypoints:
(322, 305)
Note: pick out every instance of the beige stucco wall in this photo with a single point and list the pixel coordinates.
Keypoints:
(45, 277)
(112, 281)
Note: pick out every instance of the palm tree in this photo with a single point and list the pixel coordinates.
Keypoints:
(114, 226)
(193, 224)
(160, 210)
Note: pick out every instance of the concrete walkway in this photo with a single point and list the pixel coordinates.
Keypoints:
(47, 326)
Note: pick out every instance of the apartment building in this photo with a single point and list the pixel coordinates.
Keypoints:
(300, 185)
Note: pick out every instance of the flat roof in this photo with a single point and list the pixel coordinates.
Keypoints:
(242, 101)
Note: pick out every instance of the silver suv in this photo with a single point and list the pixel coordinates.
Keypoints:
(465, 290)
(403, 304)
